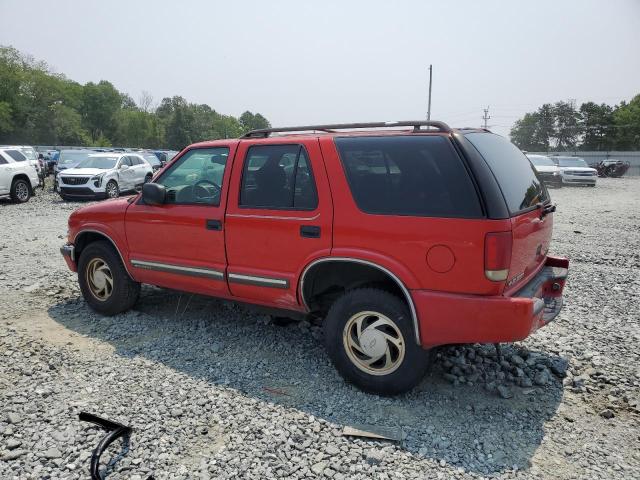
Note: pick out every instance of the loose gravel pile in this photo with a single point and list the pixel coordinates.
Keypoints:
(213, 390)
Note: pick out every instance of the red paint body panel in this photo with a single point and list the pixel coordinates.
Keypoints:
(267, 242)
(405, 240)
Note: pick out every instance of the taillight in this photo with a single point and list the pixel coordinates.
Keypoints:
(497, 255)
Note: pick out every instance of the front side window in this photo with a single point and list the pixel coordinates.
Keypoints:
(414, 175)
(278, 177)
(196, 178)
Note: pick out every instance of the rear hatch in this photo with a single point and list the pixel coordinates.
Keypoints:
(526, 198)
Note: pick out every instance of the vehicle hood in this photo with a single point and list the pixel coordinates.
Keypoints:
(578, 169)
(546, 168)
(84, 171)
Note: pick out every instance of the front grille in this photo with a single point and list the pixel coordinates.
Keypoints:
(81, 192)
(580, 174)
(74, 180)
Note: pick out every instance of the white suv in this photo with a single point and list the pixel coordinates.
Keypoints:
(575, 171)
(104, 175)
(18, 177)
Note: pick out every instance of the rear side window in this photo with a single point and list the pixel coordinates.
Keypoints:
(16, 155)
(278, 177)
(408, 175)
(513, 171)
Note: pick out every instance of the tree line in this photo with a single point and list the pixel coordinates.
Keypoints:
(564, 126)
(39, 107)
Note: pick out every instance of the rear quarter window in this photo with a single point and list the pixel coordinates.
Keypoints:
(16, 155)
(514, 172)
(408, 175)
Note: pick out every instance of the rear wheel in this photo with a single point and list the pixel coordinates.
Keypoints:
(104, 282)
(20, 191)
(369, 336)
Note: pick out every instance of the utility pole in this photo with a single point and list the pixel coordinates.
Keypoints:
(485, 117)
(430, 79)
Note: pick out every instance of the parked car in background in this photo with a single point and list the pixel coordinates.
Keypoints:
(29, 152)
(152, 159)
(611, 168)
(69, 159)
(18, 177)
(400, 240)
(575, 171)
(546, 169)
(104, 175)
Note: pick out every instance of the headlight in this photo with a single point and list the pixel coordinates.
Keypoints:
(97, 179)
(556, 174)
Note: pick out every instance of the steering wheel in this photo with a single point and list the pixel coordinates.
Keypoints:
(196, 187)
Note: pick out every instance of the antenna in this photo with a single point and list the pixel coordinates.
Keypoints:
(430, 79)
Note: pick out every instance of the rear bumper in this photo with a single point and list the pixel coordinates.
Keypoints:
(446, 318)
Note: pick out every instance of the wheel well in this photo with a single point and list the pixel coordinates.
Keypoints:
(22, 176)
(85, 238)
(324, 282)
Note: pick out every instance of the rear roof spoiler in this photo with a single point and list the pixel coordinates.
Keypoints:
(417, 124)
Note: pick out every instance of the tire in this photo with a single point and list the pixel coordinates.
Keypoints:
(123, 292)
(112, 190)
(406, 363)
(148, 177)
(20, 191)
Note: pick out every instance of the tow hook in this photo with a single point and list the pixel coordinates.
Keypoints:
(115, 430)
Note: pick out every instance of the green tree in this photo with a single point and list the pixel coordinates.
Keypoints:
(100, 102)
(627, 125)
(597, 125)
(568, 127)
(67, 126)
(249, 121)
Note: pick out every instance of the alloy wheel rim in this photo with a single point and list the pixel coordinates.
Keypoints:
(112, 190)
(374, 343)
(99, 279)
(22, 192)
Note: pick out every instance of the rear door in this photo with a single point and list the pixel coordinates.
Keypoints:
(279, 218)
(524, 194)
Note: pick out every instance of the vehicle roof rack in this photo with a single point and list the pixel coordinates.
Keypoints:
(416, 124)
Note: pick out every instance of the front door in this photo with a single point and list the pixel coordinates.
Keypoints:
(279, 218)
(180, 244)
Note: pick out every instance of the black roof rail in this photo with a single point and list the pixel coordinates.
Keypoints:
(416, 124)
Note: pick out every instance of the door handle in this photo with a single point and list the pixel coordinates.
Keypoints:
(214, 225)
(310, 231)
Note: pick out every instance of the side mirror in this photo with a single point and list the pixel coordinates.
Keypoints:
(124, 166)
(153, 193)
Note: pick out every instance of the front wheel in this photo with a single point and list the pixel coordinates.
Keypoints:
(104, 282)
(20, 191)
(370, 339)
(148, 177)
(112, 189)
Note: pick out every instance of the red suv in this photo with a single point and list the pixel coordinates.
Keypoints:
(400, 238)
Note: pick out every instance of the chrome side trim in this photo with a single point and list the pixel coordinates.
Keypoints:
(405, 291)
(180, 269)
(258, 281)
(108, 238)
(272, 217)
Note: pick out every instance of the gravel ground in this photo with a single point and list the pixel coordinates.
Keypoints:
(211, 390)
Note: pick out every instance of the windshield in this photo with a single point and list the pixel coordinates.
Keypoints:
(540, 161)
(151, 158)
(572, 162)
(30, 153)
(68, 157)
(104, 163)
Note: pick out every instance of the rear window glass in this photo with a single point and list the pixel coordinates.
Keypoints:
(408, 175)
(514, 172)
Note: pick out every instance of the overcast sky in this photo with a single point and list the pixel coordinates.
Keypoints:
(302, 62)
